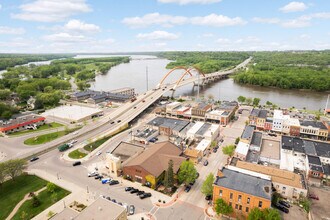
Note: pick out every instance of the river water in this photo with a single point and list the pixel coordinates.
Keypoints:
(134, 74)
(143, 69)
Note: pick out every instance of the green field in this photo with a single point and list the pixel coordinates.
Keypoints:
(40, 128)
(92, 146)
(76, 154)
(11, 192)
(46, 200)
(48, 137)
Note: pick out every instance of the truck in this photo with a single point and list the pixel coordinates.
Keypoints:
(64, 147)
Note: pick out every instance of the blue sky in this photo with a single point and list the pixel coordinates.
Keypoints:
(33, 26)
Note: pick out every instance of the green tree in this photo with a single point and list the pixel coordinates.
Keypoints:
(169, 175)
(248, 101)
(306, 204)
(241, 99)
(4, 94)
(54, 197)
(221, 207)
(228, 150)
(35, 201)
(3, 173)
(237, 140)
(187, 173)
(256, 214)
(272, 214)
(51, 187)
(207, 187)
(256, 101)
(268, 103)
(15, 167)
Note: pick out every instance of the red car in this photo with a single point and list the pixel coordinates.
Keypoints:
(313, 196)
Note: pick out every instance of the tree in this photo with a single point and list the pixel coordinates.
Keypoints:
(187, 173)
(35, 201)
(221, 207)
(256, 214)
(207, 187)
(272, 214)
(268, 103)
(237, 140)
(213, 144)
(54, 197)
(3, 173)
(228, 150)
(248, 101)
(15, 167)
(51, 187)
(169, 175)
(241, 99)
(256, 101)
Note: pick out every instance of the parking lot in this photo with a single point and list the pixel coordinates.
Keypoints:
(296, 212)
(320, 208)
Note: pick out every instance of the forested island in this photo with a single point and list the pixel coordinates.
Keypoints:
(45, 85)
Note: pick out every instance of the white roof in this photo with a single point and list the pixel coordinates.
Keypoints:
(211, 130)
(278, 114)
(195, 128)
(294, 122)
(286, 161)
(242, 148)
(173, 104)
(72, 112)
(203, 145)
(182, 108)
(215, 112)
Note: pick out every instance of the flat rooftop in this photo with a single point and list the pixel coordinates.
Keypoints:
(72, 112)
(279, 176)
(174, 124)
(126, 150)
(270, 149)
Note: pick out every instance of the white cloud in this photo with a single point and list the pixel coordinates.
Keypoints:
(217, 20)
(0, 6)
(79, 26)
(223, 40)
(207, 35)
(266, 20)
(158, 35)
(295, 23)
(51, 10)
(185, 2)
(11, 30)
(294, 7)
(154, 19)
(305, 36)
(320, 15)
(65, 38)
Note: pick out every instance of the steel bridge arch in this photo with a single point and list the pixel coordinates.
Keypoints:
(185, 73)
(169, 72)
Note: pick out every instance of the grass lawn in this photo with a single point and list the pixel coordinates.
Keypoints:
(76, 154)
(92, 146)
(48, 137)
(40, 128)
(46, 200)
(12, 192)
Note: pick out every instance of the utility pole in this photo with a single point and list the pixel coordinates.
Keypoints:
(147, 78)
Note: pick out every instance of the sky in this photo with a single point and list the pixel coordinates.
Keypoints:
(73, 26)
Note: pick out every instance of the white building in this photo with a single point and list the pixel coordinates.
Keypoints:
(212, 133)
(193, 130)
(241, 150)
(203, 145)
(278, 121)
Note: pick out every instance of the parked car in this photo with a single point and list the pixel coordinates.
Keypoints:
(98, 177)
(105, 180)
(215, 150)
(208, 197)
(113, 200)
(34, 159)
(127, 189)
(91, 174)
(131, 210)
(188, 188)
(98, 153)
(112, 122)
(140, 192)
(206, 162)
(145, 195)
(77, 163)
(284, 203)
(119, 203)
(113, 182)
(118, 121)
(134, 191)
(73, 141)
(108, 198)
(313, 196)
(192, 183)
(282, 208)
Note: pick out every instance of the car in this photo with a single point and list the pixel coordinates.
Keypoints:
(127, 189)
(113, 182)
(134, 107)
(143, 100)
(73, 141)
(108, 198)
(208, 197)
(119, 203)
(98, 153)
(192, 183)
(131, 210)
(112, 122)
(313, 196)
(91, 174)
(140, 192)
(284, 203)
(105, 180)
(282, 208)
(145, 195)
(77, 163)
(34, 159)
(98, 177)
(153, 140)
(215, 150)
(134, 191)
(118, 121)
(75, 133)
(206, 162)
(113, 200)
(188, 188)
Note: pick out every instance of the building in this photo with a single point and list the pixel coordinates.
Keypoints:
(247, 134)
(270, 151)
(313, 130)
(171, 108)
(268, 124)
(95, 97)
(212, 132)
(128, 91)
(198, 111)
(168, 126)
(191, 133)
(241, 150)
(149, 166)
(145, 135)
(100, 209)
(219, 116)
(113, 164)
(256, 140)
(314, 168)
(21, 123)
(203, 145)
(278, 120)
(294, 127)
(243, 190)
(289, 184)
(194, 155)
(258, 118)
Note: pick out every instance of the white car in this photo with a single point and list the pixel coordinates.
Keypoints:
(91, 174)
(73, 141)
(98, 153)
(75, 133)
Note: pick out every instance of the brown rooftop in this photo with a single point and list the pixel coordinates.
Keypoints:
(279, 176)
(155, 159)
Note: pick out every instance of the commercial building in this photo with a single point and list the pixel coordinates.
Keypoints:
(313, 130)
(247, 134)
(278, 120)
(270, 151)
(168, 126)
(95, 97)
(194, 155)
(258, 118)
(128, 91)
(98, 210)
(21, 123)
(243, 190)
(256, 141)
(145, 135)
(241, 150)
(198, 111)
(219, 116)
(149, 166)
(289, 184)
